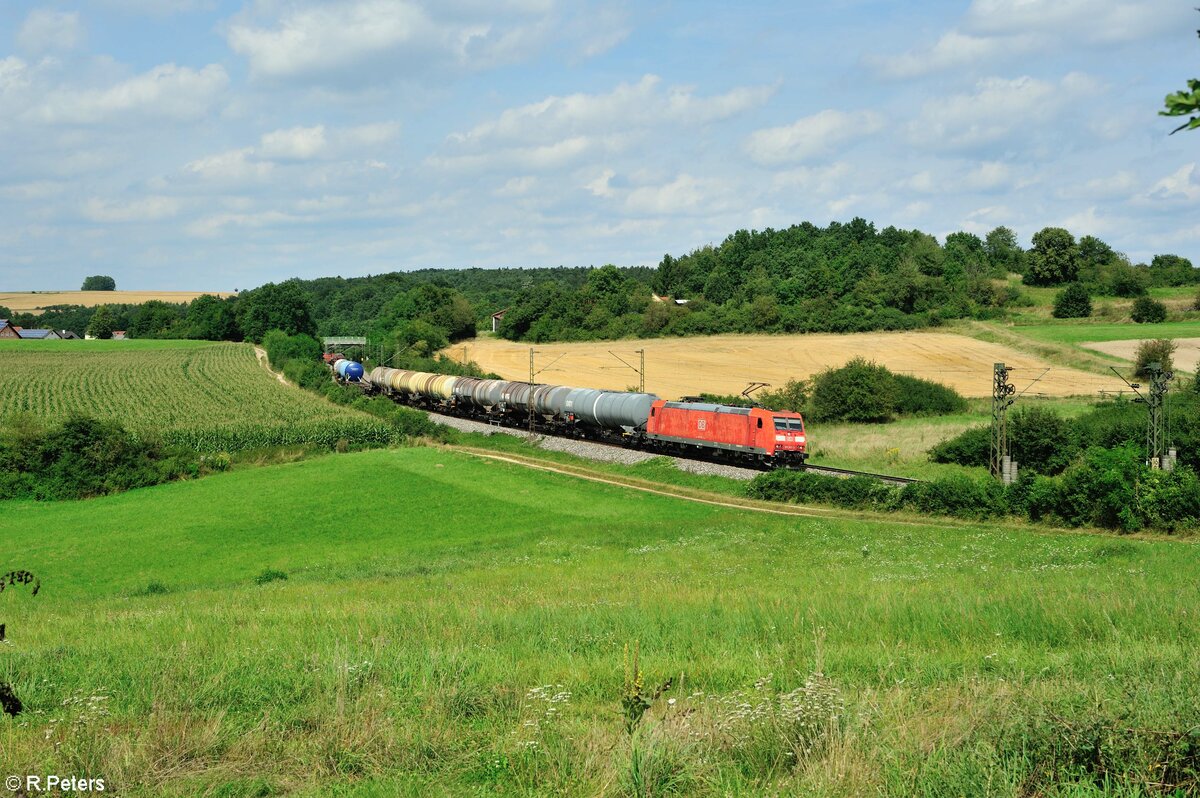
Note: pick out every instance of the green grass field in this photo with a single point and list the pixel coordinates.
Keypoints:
(211, 397)
(1082, 331)
(452, 626)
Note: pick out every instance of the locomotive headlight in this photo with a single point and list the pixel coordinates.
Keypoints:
(800, 439)
(781, 437)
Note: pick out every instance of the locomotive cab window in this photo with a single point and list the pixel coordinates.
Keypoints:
(788, 423)
(760, 423)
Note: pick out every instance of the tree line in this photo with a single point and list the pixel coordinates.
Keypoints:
(841, 278)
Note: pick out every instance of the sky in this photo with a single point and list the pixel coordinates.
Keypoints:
(218, 145)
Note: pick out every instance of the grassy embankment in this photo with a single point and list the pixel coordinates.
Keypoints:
(429, 595)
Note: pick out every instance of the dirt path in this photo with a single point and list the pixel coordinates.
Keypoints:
(262, 359)
(688, 495)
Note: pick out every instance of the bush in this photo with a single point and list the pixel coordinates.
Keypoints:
(858, 391)
(1072, 302)
(918, 397)
(1101, 489)
(1148, 311)
(1160, 351)
(282, 347)
(1041, 440)
(972, 447)
(83, 457)
(958, 495)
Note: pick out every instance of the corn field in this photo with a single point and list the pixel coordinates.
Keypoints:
(209, 398)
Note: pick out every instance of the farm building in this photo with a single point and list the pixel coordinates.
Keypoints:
(498, 317)
(7, 330)
(119, 335)
(38, 335)
(67, 335)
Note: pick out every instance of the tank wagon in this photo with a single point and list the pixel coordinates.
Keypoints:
(765, 438)
(348, 370)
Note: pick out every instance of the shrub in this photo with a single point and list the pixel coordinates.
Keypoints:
(1072, 302)
(792, 396)
(282, 347)
(861, 390)
(1159, 351)
(1101, 489)
(918, 397)
(83, 457)
(958, 495)
(1041, 440)
(1148, 311)
(971, 447)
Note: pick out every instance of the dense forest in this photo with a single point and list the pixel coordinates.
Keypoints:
(841, 278)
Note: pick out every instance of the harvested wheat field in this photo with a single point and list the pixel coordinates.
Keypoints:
(37, 301)
(1187, 356)
(725, 364)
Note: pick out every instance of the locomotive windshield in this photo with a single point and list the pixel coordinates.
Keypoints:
(788, 423)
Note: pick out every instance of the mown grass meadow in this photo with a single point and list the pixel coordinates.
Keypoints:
(454, 626)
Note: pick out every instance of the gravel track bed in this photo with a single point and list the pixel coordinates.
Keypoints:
(597, 451)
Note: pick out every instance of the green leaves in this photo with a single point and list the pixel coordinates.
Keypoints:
(1182, 103)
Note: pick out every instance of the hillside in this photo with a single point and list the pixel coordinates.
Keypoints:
(420, 648)
(213, 397)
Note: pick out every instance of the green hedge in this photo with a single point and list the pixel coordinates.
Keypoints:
(1109, 488)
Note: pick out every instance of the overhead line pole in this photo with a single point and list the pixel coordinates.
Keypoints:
(641, 372)
(1002, 391)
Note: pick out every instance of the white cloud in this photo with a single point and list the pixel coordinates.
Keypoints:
(230, 165)
(159, 7)
(1096, 21)
(600, 187)
(44, 31)
(629, 105)
(811, 136)
(682, 195)
(338, 41)
(166, 91)
(988, 176)
(294, 144)
(1086, 223)
(14, 75)
(372, 135)
(813, 180)
(1180, 184)
(146, 209)
(546, 156)
(953, 50)
(516, 186)
(214, 225)
(996, 110)
(993, 30)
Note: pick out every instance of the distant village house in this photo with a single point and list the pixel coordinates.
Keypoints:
(7, 330)
(498, 317)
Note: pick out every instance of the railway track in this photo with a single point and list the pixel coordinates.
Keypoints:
(845, 473)
(841, 473)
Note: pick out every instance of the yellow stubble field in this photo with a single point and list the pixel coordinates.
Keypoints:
(36, 301)
(725, 364)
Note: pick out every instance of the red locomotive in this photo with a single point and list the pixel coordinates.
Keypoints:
(767, 436)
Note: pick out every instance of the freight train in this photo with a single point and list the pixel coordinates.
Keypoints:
(747, 435)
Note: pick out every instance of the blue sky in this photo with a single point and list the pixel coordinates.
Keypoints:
(209, 145)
